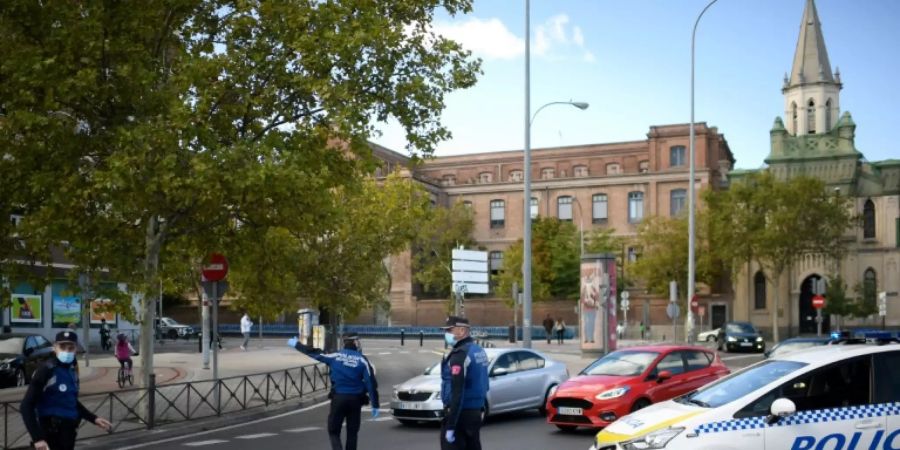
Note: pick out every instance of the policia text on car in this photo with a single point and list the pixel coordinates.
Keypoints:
(352, 377)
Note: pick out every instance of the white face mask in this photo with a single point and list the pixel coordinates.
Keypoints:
(449, 338)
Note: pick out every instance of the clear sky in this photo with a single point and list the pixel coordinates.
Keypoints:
(630, 59)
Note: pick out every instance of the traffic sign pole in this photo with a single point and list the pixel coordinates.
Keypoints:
(818, 302)
(214, 272)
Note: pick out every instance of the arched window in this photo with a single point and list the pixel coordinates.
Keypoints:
(869, 220)
(600, 208)
(635, 206)
(498, 213)
(759, 291)
(564, 208)
(811, 117)
(794, 117)
(677, 201)
(870, 286)
(515, 175)
(828, 115)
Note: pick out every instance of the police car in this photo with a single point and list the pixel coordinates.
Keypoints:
(840, 397)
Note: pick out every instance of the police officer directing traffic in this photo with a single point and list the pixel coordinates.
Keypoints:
(352, 376)
(51, 409)
(464, 387)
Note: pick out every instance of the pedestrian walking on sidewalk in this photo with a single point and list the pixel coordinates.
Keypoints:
(548, 327)
(104, 335)
(51, 410)
(560, 330)
(246, 326)
(352, 377)
(464, 386)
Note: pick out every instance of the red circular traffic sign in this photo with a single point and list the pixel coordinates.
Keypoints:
(818, 301)
(216, 268)
(694, 302)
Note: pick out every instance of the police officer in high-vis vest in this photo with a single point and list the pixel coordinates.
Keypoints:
(464, 387)
(352, 377)
(51, 409)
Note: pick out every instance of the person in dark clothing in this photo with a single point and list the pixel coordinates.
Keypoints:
(464, 387)
(352, 377)
(104, 335)
(51, 410)
(548, 327)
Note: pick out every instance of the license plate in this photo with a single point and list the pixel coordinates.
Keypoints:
(746, 344)
(411, 405)
(571, 411)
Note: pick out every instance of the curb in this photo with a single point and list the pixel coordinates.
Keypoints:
(186, 428)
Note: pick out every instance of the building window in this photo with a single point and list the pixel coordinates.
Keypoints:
(516, 176)
(676, 156)
(534, 207)
(794, 117)
(467, 204)
(644, 167)
(580, 171)
(613, 169)
(811, 117)
(548, 173)
(759, 291)
(564, 208)
(448, 180)
(496, 258)
(677, 201)
(870, 286)
(632, 254)
(485, 177)
(600, 208)
(498, 212)
(635, 206)
(869, 220)
(828, 115)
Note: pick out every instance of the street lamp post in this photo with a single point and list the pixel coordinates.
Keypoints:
(689, 325)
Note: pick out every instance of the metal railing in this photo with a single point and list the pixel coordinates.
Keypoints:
(135, 409)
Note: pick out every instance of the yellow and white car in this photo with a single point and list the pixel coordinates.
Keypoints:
(843, 397)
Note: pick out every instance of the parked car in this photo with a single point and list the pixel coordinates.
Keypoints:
(794, 344)
(169, 328)
(20, 355)
(708, 336)
(519, 379)
(627, 380)
(740, 336)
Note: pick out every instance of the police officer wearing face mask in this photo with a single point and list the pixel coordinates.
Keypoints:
(51, 409)
(352, 377)
(464, 387)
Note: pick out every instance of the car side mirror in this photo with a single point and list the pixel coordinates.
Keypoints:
(781, 408)
(499, 371)
(663, 376)
(28, 351)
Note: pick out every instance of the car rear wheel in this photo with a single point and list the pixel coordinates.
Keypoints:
(172, 334)
(20, 378)
(566, 428)
(640, 404)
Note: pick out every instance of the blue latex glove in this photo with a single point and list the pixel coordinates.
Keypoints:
(292, 342)
(450, 436)
(375, 412)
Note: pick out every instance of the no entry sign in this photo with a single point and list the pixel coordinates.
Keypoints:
(216, 267)
(818, 301)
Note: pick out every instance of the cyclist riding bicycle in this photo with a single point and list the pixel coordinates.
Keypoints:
(124, 350)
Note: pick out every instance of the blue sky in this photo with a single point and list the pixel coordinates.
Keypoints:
(630, 59)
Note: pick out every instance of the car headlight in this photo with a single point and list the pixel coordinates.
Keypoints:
(4, 366)
(613, 393)
(731, 339)
(759, 339)
(396, 395)
(654, 440)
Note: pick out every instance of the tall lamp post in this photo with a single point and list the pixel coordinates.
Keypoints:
(689, 325)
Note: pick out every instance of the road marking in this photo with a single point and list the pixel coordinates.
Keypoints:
(732, 358)
(302, 430)
(381, 419)
(424, 351)
(256, 436)
(202, 443)
(404, 352)
(385, 353)
(252, 422)
(437, 353)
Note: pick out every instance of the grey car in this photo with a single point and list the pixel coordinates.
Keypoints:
(519, 379)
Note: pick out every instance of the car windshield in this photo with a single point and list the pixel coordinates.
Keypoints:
(739, 328)
(739, 384)
(623, 364)
(11, 345)
(788, 347)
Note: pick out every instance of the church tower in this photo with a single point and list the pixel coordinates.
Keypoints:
(812, 93)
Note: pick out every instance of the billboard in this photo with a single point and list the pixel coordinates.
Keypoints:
(98, 312)
(66, 310)
(597, 297)
(26, 308)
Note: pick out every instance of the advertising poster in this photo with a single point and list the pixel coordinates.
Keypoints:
(98, 312)
(598, 297)
(26, 308)
(66, 310)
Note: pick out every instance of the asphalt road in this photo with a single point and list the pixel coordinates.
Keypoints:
(305, 428)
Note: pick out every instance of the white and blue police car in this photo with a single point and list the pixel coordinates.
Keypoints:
(836, 397)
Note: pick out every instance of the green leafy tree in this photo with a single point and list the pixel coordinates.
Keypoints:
(145, 133)
(443, 230)
(555, 262)
(774, 222)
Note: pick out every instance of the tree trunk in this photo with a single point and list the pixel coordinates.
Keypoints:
(775, 304)
(152, 242)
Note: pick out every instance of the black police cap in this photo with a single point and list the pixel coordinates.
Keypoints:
(67, 336)
(455, 321)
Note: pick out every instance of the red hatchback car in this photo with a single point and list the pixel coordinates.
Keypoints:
(628, 380)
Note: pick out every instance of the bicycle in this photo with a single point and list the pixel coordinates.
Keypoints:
(125, 376)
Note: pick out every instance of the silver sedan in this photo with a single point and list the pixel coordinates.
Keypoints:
(519, 379)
